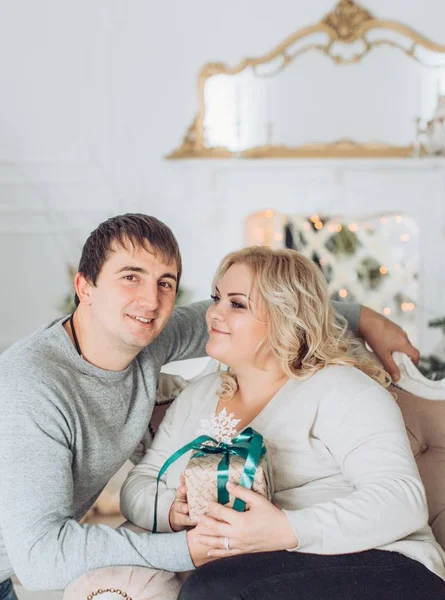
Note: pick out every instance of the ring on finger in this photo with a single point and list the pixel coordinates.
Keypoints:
(227, 543)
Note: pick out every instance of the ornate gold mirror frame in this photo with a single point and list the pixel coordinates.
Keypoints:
(347, 23)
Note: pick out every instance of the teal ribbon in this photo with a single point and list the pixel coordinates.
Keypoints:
(248, 445)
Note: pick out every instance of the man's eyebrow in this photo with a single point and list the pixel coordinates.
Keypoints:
(169, 276)
(134, 269)
(131, 268)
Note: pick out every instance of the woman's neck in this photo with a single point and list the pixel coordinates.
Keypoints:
(256, 387)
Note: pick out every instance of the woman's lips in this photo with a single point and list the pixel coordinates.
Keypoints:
(213, 330)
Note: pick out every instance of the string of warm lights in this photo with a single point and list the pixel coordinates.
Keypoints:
(263, 236)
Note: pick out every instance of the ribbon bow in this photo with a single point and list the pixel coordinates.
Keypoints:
(248, 445)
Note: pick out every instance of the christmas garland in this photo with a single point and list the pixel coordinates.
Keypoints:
(432, 366)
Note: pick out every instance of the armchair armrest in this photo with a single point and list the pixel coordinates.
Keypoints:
(131, 583)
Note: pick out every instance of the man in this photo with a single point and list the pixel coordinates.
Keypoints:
(76, 398)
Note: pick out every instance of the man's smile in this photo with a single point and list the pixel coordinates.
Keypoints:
(142, 320)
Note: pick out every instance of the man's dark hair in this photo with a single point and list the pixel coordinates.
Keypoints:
(137, 229)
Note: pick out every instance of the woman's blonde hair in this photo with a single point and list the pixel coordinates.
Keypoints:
(303, 331)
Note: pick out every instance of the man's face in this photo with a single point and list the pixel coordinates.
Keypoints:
(133, 297)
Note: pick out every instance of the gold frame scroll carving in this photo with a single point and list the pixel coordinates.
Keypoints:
(347, 23)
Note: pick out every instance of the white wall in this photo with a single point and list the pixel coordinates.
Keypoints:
(93, 94)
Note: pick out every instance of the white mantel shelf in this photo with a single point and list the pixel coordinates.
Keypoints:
(428, 163)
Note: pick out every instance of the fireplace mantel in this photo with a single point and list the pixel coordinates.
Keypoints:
(226, 191)
(426, 163)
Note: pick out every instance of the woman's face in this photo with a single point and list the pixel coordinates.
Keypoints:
(237, 319)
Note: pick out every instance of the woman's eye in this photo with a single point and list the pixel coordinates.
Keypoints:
(215, 299)
(237, 304)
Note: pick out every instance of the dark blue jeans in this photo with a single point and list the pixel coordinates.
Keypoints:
(7, 591)
(372, 575)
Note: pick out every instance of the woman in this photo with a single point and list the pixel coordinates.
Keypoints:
(348, 517)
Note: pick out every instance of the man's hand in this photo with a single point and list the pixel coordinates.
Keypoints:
(199, 552)
(179, 511)
(263, 527)
(385, 337)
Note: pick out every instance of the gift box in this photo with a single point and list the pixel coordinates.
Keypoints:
(201, 480)
(243, 461)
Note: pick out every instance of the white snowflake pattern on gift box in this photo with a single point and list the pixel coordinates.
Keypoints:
(222, 427)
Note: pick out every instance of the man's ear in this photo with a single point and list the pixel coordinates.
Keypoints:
(83, 289)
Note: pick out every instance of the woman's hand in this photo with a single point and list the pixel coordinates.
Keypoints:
(263, 527)
(385, 337)
(178, 516)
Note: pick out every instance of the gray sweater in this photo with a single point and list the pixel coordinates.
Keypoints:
(65, 428)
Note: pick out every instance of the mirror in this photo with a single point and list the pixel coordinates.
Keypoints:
(373, 85)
